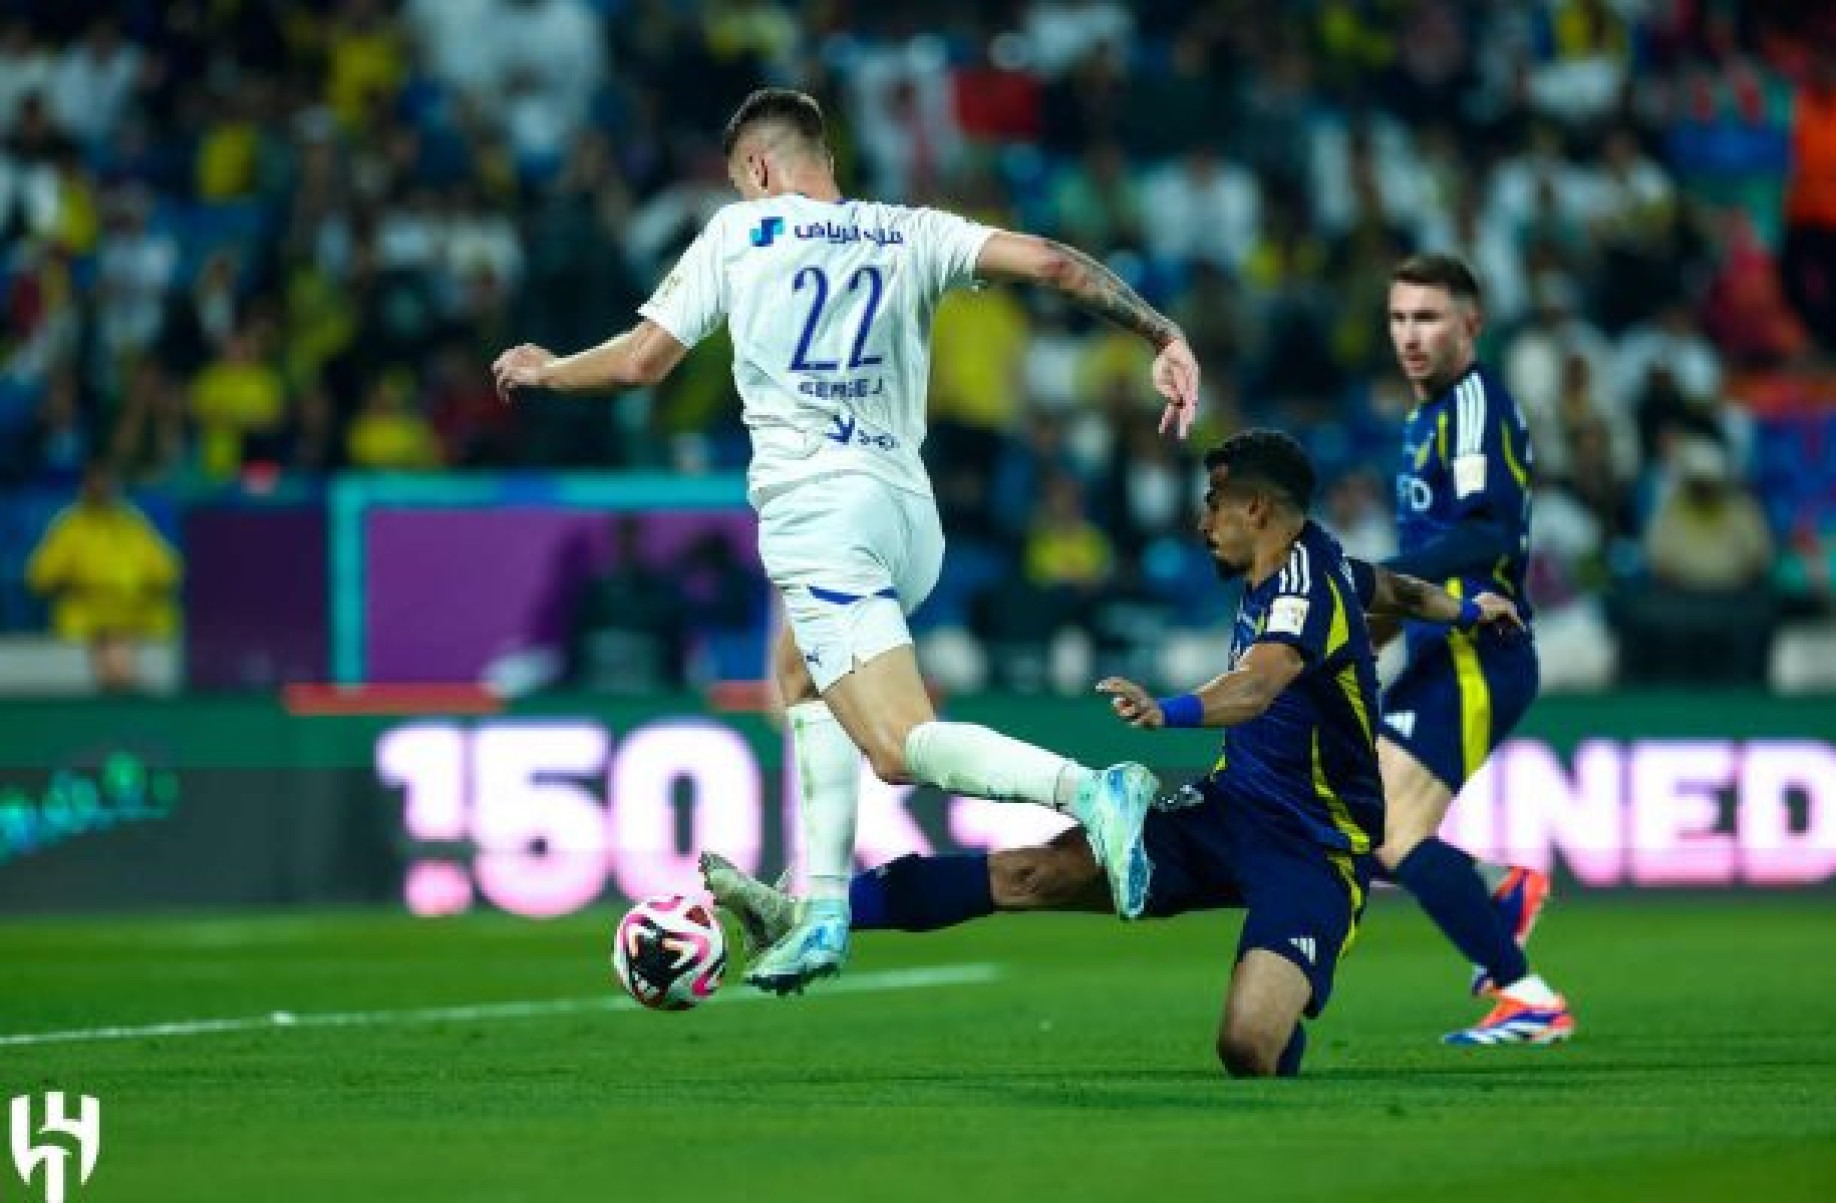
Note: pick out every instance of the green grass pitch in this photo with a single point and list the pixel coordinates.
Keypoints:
(1029, 1057)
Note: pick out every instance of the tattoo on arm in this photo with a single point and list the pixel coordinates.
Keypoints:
(1411, 597)
(1107, 295)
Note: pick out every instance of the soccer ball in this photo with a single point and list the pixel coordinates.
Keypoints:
(669, 952)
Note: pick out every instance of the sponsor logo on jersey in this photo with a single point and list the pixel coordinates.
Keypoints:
(768, 230)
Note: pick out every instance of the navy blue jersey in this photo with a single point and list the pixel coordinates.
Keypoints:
(1309, 761)
(1463, 493)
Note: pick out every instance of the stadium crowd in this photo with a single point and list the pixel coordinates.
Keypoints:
(248, 239)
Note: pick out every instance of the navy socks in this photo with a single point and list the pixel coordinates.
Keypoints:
(1444, 881)
(1289, 1065)
(921, 893)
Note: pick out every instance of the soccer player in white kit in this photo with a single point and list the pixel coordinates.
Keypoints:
(829, 304)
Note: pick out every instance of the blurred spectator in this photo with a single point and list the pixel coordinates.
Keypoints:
(1087, 105)
(1357, 516)
(1183, 108)
(136, 266)
(1808, 261)
(1586, 58)
(1049, 363)
(979, 342)
(1746, 311)
(94, 82)
(1670, 339)
(1064, 550)
(111, 579)
(151, 444)
(26, 68)
(1201, 209)
(909, 139)
(1707, 614)
(1707, 534)
(198, 321)
(726, 604)
(474, 424)
(57, 444)
(1020, 474)
(240, 393)
(1537, 359)
(389, 433)
(1149, 490)
(29, 198)
(1096, 202)
(628, 629)
(1064, 33)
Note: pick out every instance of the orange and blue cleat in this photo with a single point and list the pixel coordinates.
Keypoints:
(1514, 1021)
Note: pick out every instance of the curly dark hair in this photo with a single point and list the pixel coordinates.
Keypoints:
(1266, 459)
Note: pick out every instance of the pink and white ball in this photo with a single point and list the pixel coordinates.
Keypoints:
(669, 952)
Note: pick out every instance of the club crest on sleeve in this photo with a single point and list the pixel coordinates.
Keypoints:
(1288, 615)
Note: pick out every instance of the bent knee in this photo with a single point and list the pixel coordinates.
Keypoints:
(888, 761)
(1246, 1053)
(1035, 879)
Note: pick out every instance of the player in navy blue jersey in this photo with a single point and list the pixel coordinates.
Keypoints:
(1463, 522)
(1284, 823)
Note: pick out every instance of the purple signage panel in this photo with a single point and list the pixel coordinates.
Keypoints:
(449, 590)
(256, 611)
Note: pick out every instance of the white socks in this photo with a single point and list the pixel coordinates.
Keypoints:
(964, 758)
(829, 773)
(1532, 991)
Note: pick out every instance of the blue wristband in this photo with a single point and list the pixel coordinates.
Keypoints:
(1182, 710)
(1470, 614)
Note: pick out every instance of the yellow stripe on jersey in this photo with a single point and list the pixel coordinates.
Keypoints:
(1475, 697)
(1335, 806)
(1348, 676)
(1440, 436)
(1340, 630)
(1354, 697)
(1342, 861)
(1518, 471)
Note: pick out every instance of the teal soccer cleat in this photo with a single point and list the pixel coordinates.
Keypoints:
(1112, 807)
(815, 948)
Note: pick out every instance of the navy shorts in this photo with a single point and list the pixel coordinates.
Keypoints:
(1303, 899)
(1458, 698)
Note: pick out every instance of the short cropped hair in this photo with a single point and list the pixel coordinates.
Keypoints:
(779, 106)
(1439, 270)
(1268, 460)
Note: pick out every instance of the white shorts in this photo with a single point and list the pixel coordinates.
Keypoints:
(852, 556)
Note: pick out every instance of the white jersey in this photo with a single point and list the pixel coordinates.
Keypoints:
(829, 305)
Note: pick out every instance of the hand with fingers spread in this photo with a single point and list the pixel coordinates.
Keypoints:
(1176, 377)
(520, 367)
(1132, 704)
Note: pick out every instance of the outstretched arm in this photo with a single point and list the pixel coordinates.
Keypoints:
(1398, 595)
(1224, 701)
(1084, 281)
(642, 355)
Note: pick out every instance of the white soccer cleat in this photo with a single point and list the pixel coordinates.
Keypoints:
(764, 913)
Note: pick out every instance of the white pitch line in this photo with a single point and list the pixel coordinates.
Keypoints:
(863, 983)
